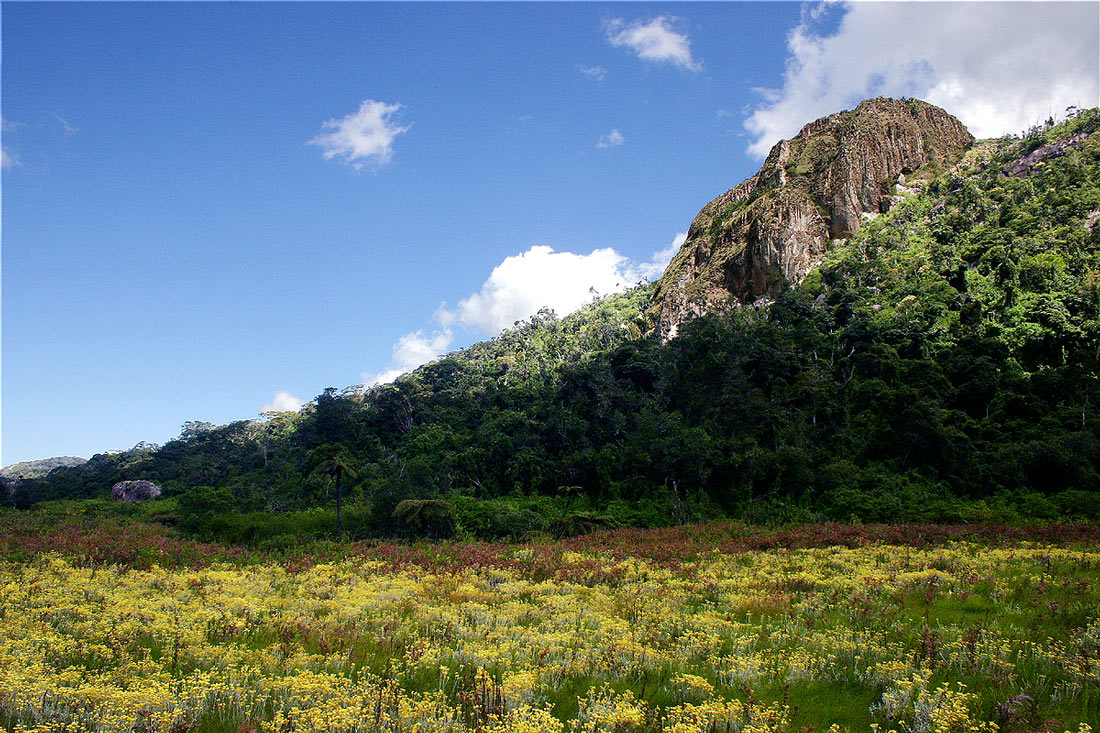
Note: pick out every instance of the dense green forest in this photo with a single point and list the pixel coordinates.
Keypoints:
(941, 365)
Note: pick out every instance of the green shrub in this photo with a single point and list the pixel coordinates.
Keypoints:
(433, 518)
(505, 518)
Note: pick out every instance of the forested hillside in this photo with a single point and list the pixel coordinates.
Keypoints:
(35, 469)
(941, 365)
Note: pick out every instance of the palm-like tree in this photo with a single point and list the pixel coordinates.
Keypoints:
(333, 459)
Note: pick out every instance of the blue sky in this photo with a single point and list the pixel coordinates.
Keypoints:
(209, 209)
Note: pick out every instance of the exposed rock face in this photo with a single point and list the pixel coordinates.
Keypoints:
(1022, 167)
(134, 491)
(763, 236)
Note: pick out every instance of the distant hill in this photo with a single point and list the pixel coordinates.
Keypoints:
(890, 322)
(41, 467)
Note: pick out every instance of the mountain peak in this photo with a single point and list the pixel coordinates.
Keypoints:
(767, 233)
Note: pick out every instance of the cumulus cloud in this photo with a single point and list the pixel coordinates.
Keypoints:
(518, 288)
(411, 351)
(593, 72)
(542, 278)
(363, 137)
(612, 139)
(999, 67)
(656, 40)
(283, 402)
(414, 349)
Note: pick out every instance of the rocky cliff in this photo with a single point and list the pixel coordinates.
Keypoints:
(767, 233)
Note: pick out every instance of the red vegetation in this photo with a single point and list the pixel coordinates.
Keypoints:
(134, 544)
(107, 541)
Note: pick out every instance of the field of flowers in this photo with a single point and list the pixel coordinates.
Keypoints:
(705, 629)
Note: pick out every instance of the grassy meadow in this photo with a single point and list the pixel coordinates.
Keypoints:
(720, 627)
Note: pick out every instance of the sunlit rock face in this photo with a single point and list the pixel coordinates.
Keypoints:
(763, 236)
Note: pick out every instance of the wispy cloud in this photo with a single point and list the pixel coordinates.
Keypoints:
(67, 129)
(1041, 58)
(363, 137)
(283, 402)
(656, 41)
(598, 73)
(8, 159)
(656, 266)
(612, 139)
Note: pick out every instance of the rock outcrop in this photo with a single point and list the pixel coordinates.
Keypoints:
(135, 491)
(763, 236)
(1022, 167)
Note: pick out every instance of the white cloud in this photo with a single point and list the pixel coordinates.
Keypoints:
(653, 41)
(411, 351)
(414, 349)
(516, 289)
(998, 67)
(540, 277)
(283, 402)
(656, 266)
(443, 316)
(366, 136)
(372, 379)
(598, 73)
(8, 159)
(612, 139)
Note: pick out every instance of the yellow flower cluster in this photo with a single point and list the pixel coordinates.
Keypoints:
(745, 643)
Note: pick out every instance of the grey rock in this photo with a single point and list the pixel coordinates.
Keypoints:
(1021, 168)
(139, 490)
(1093, 217)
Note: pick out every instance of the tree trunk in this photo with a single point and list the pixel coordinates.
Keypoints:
(339, 513)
